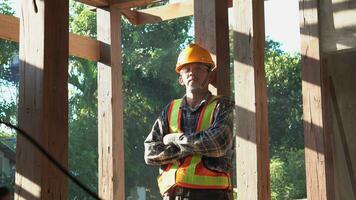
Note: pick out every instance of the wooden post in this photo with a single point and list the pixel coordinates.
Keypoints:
(314, 118)
(43, 99)
(110, 105)
(212, 32)
(252, 148)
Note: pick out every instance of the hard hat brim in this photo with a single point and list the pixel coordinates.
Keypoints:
(211, 66)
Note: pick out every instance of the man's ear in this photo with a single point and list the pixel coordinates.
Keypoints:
(180, 80)
(212, 78)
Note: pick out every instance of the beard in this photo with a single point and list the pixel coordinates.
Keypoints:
(195, 87)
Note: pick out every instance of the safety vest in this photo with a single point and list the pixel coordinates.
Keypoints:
(192, 173)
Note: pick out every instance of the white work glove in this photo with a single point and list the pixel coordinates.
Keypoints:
(171, 138)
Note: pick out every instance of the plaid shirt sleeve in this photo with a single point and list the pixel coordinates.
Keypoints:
(156, 153)
(216, 140)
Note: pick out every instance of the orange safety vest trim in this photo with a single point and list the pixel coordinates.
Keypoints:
(192, 173)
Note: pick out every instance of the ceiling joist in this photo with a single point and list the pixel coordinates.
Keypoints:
(88, 48)
(149, 15)
(120, 4)
(161, 13)
(95, 3)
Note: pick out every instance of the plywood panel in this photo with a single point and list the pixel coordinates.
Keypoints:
(341, 69)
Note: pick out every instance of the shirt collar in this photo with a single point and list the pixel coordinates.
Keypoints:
(185, 105)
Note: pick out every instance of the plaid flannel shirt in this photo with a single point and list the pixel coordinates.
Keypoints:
(215, 144)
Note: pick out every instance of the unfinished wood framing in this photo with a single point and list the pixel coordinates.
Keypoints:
(337, 24)
(341, 89)
(79, 46)
(10, 26)
(327, 28)
(95, 3)
(124, 4)
(84, 47)
(252, 147)
(110, 105)
(317, 164)
(212, 32)
(119, 4)
(43, 99)
(328, 129)
(162, 13)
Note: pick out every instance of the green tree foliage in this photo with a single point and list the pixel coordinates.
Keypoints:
(283, 74)
(288, 176)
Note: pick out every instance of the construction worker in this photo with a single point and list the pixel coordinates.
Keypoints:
(192, 139)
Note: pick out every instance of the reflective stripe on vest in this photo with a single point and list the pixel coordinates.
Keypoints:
(191, 173)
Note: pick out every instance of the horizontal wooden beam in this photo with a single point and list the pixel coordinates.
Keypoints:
(10, 27)
(121, 4)
(95, 3)
(84, 47)
(79, 46)
(125, 4)
(342, 51)
(161, 13)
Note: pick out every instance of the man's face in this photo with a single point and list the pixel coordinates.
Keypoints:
(194, 76)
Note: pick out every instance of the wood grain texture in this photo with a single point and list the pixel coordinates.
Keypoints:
(79, 46)
(315, 148)
(329, 138)
(212, 33)
(252, 147)
(162, 13)
(43, 99)
(95, 3)
(10, 26)
(341, 68)
(84, 47)
(110, 107)
(120, 4)
(124, 4)
(166, 12)
(337, 25)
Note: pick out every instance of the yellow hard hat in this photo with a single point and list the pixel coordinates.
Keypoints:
(194, 54)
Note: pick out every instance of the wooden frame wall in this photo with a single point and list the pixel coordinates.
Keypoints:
(44, 82)
(106, 50)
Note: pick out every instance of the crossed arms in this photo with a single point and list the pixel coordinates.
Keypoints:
(212, 142)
